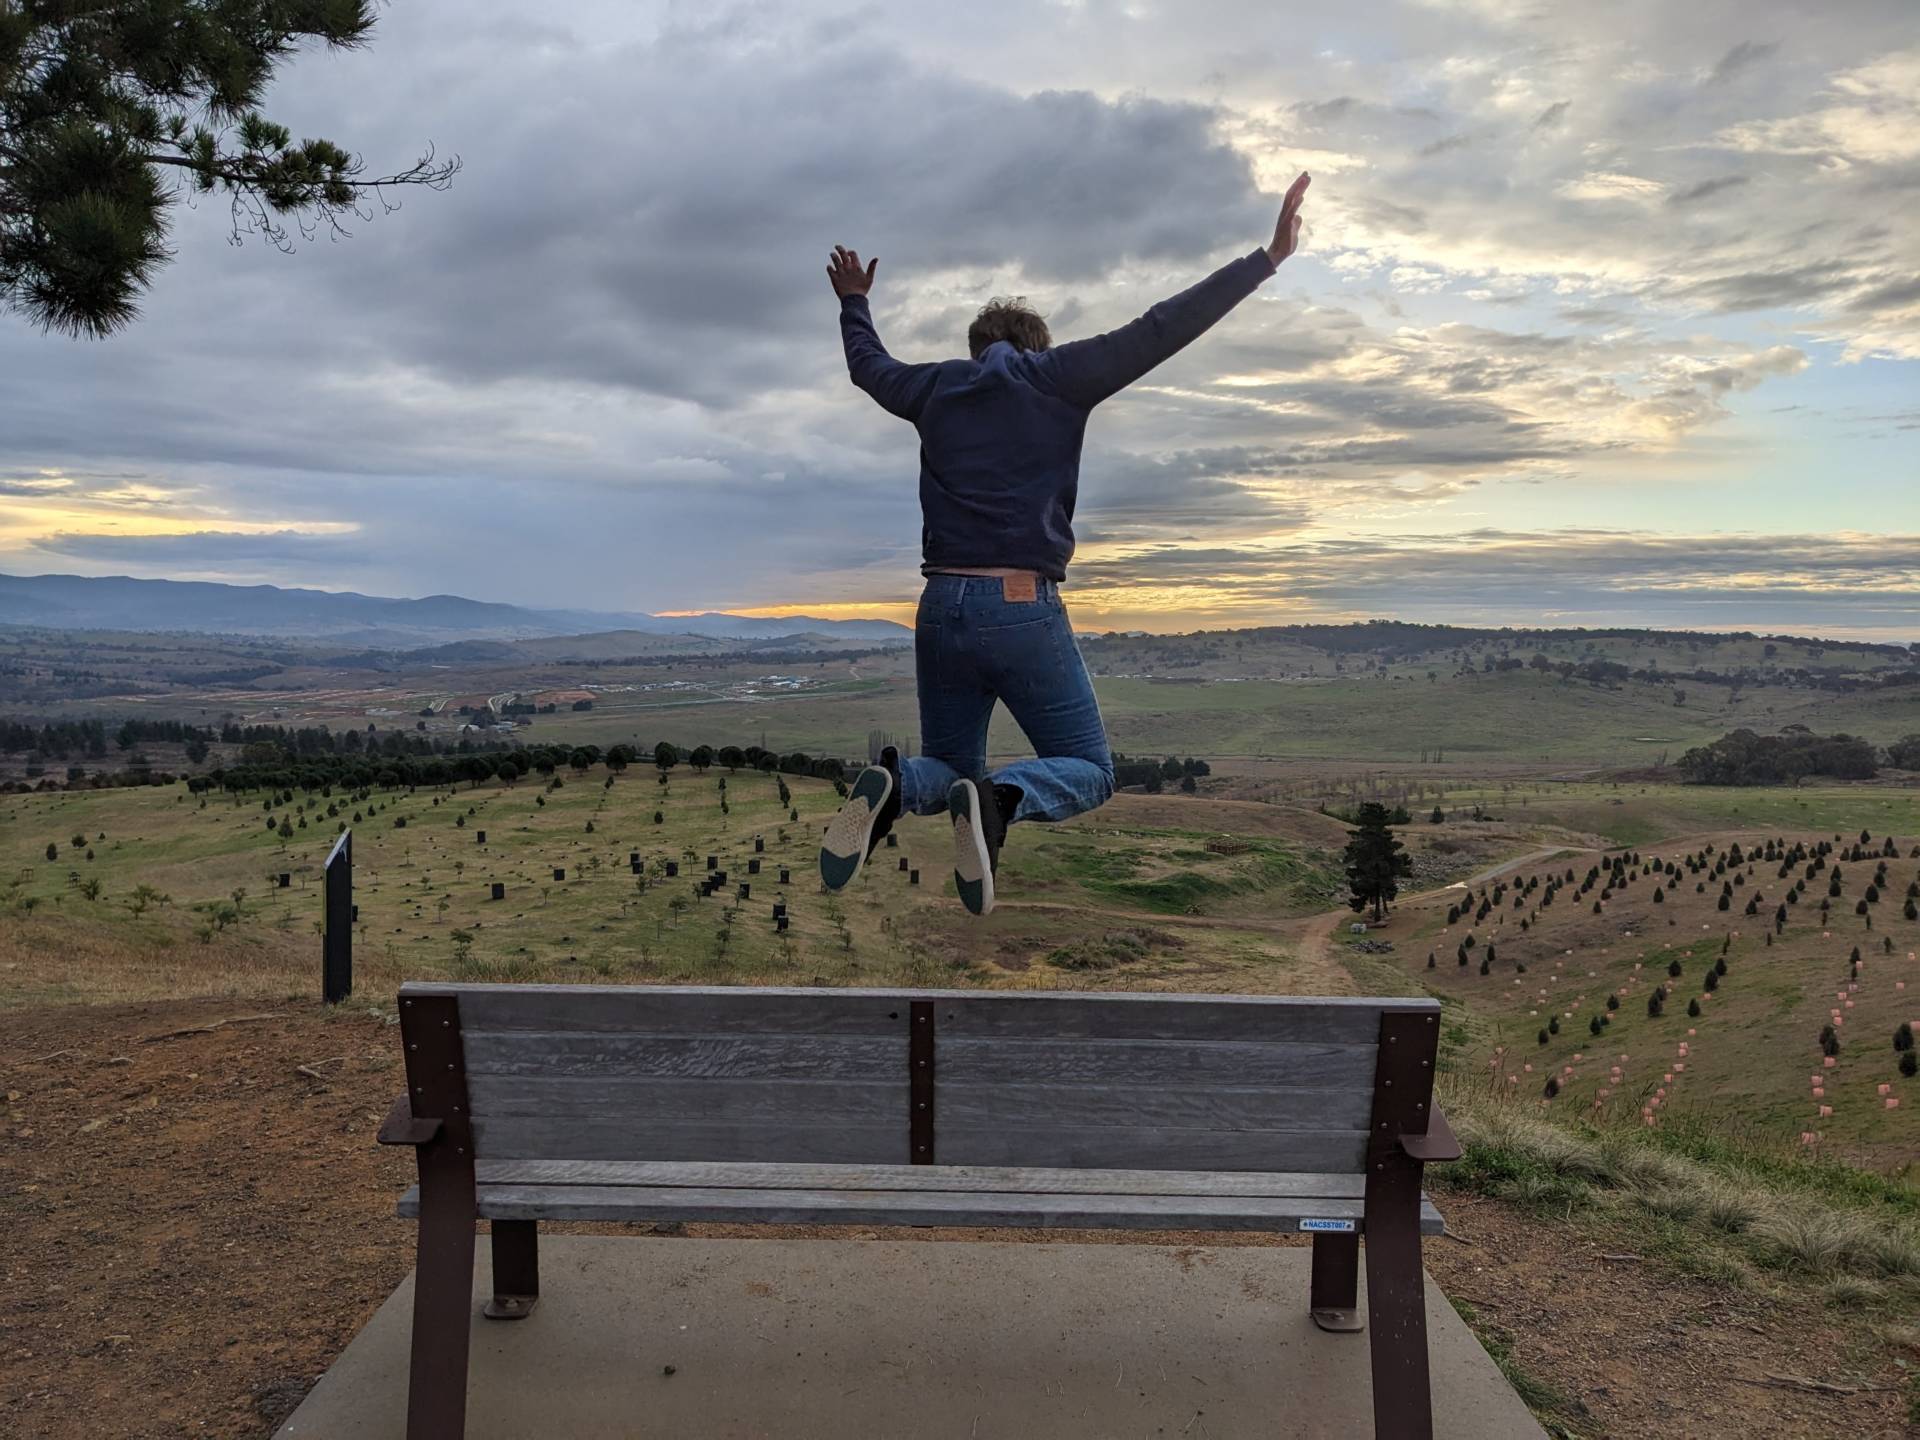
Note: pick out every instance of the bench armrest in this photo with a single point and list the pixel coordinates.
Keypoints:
(402, 1127)
(1437, 1144)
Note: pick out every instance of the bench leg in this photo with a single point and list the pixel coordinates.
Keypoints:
(1334, 1301)
(516, 1269)
(1397, 1323)
(442, 1320)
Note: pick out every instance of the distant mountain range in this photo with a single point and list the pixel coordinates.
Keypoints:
(119, 602)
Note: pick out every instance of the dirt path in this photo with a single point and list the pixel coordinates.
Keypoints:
(1287, 929)
(1311, 933)
(195, 1228)
(1494, 872)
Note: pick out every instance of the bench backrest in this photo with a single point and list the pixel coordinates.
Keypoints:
(1069, 1080)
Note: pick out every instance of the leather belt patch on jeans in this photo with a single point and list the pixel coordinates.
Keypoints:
(1015, 588)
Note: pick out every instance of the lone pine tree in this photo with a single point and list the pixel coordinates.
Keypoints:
(109, 111)
(1375, 861)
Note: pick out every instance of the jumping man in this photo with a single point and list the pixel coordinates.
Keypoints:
(1000, 436)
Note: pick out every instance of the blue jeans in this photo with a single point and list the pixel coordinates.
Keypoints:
(973, 647)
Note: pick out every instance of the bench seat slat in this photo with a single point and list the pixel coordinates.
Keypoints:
(1155, 1107)
(668, 1011)
(1173, 1107)
(1113, 1147)
(1195, 1018)
(607, 1001)
(753, 1175)
(611, 1136)
(996, 1060)
(693, 1057)
(911, 1207)
(650, 1098)
(1108, 1147)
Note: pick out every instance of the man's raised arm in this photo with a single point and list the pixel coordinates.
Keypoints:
(1086, 372)
(901, 389)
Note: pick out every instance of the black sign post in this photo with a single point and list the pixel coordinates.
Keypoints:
(336, 942)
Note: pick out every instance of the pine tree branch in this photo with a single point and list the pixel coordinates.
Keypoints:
(435, 174)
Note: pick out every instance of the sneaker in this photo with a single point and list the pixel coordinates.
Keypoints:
(872, 806)
(979, 830)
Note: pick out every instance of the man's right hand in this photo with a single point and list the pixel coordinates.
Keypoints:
(1286, 234)
(846, 276)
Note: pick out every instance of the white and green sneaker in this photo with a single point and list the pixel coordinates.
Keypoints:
(979, 829)
(871, 808)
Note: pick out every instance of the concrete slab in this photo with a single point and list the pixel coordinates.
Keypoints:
(908, 1340)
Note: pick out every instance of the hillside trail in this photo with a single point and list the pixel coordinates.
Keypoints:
(1311, 934)
(1492, 872)
(1289, 928)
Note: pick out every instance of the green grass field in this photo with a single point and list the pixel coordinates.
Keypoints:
(1151, 892)
(424, 884)
(1748, 1056)
(1635, 814)
(1518, 715)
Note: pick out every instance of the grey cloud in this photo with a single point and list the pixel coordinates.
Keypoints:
(1740, 58)
(680, 255)
(1323, 112)
(203, 550)
(1889, 295)
(1702, 189)
(551, 380)
(1766, 289)
(1597, 315)
(1574, 576)
(1379, 213)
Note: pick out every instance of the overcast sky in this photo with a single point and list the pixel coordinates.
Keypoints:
(1606, 313)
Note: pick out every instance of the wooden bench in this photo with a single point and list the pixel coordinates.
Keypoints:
(941, 1107)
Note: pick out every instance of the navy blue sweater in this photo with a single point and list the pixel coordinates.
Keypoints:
(1000, 436)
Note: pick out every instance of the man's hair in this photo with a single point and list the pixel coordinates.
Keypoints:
(1009, 318)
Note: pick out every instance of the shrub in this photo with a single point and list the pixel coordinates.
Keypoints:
(1910, 1064)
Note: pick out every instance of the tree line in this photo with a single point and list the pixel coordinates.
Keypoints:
(1153, 775)
(1743, 757)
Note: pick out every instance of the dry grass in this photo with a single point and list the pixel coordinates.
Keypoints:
(60, 957)
(1864, 1256)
